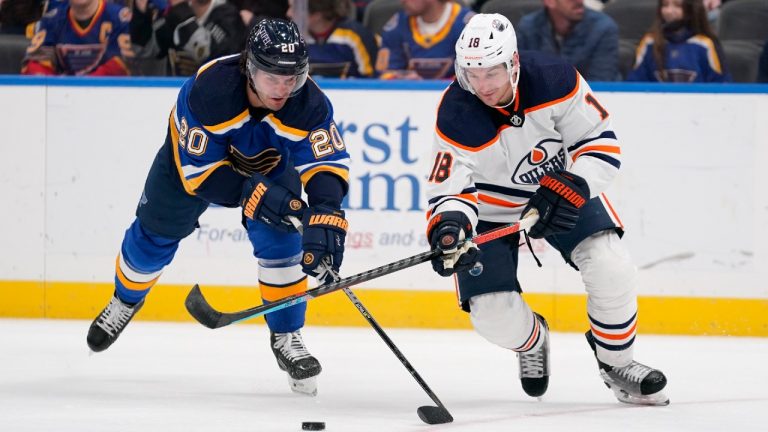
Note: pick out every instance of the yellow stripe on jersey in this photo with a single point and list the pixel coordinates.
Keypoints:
(230, 124)
(281, 129)
(430, 41)
(642, 48)
(272, 293)
(712, 57)
(341, 172)
(349, 37)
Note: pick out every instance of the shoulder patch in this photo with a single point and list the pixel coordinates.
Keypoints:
(463, 120)
(125, 15)
(544, 78)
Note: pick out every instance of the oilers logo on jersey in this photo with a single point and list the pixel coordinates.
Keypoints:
(548, 155)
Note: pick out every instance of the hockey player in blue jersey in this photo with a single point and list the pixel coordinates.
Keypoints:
(519, 132)
(248, 130)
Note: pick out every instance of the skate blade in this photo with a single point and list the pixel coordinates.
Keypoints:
(306, 387)
(655, 399)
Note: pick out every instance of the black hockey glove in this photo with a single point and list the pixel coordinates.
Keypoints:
(445, 232)
(267, 202)
(560, 196)
(325, 231)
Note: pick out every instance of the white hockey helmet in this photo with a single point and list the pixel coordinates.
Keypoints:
(486, 41)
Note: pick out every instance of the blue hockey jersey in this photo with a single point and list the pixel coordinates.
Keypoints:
(403, 46)
(219, 138)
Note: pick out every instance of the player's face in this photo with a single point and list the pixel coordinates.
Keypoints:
(672, 10)
(273, 90)
(492, 85)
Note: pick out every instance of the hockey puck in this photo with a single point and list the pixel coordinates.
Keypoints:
(314, 426)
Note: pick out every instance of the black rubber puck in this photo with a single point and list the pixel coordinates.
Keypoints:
(313, 426)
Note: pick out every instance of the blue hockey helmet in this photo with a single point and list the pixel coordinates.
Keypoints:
(276, 46)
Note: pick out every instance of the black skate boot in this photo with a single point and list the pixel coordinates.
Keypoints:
(292, 357)
(534, 365)
(106, 328)
(634, 383)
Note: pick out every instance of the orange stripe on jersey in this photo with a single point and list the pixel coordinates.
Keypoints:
(600, 148)
(609, 336)
(610, 208)
(84, 31)
(131, 285)
(496, 201)
(468, 197)
(556, 101)
(272, 293)
(472, 149)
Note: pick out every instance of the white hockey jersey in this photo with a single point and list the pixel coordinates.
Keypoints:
(488, 161)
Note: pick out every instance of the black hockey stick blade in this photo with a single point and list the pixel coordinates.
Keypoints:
(434, 414)
(201, 310)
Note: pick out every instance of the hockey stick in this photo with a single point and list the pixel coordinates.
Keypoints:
(428, 414)
(205, 314)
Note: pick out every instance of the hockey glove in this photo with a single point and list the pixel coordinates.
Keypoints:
(558, 200)
(325, 231)
(267, 202)
(446, 232)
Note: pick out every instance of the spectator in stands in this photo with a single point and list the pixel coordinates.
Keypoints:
(338, 47)
(253, 11)
(188, 32)
(762, 67)
(19, 16)
(587, 39)
(680, 46)
(88, 37)
(418, 41)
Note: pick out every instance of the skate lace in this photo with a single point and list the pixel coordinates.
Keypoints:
(634, 372)
(532, 364)
(114, 317)
(291, 346)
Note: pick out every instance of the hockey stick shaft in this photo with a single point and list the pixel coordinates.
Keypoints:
(379, 330)
(392, 347)
(206, 315)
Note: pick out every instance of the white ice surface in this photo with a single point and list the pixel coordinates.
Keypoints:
(183, 377)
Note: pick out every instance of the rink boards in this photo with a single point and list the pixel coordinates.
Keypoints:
(690, 192)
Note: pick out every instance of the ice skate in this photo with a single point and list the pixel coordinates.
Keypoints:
(534, 364)
(106, 328)
(292, 357)
(634, 383)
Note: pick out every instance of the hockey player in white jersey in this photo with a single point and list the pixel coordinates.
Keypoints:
(519, 132)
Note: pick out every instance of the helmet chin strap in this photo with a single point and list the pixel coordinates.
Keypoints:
(513, 82)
